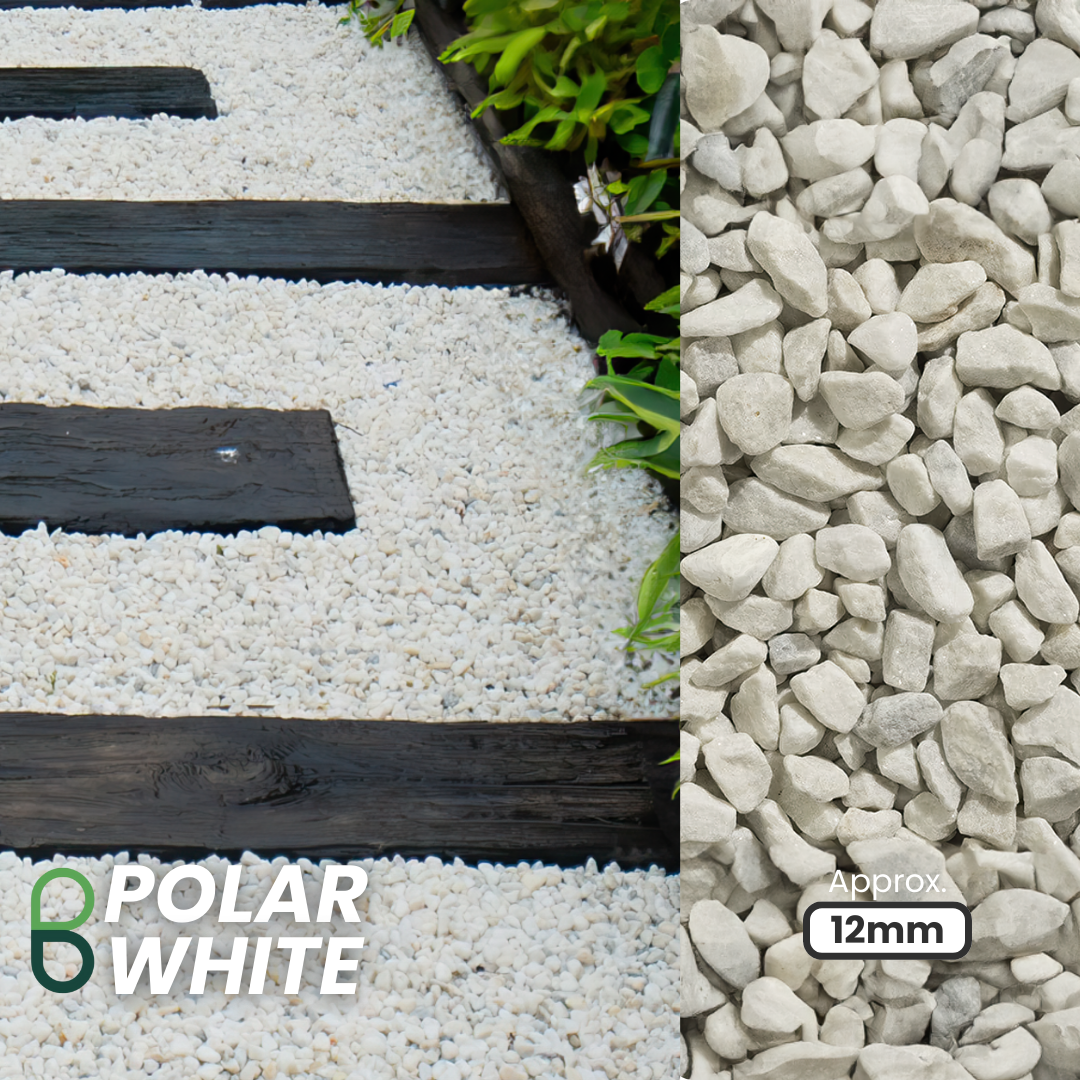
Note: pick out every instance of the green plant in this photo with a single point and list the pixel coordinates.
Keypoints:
(578, 70)
(647, 397)
(657, 627)
(677, 756)
(380, 20)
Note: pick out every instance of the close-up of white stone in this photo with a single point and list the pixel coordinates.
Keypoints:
(307, 109)
(472, 586)
(881, 408)
(467, 973)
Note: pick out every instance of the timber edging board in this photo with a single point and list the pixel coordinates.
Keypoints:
(340, 789)
(412, 243)
(133, 93)
(131, 471)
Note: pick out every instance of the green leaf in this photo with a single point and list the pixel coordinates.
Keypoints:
(592, 90)
(669, 760)
(401, 23)
(644, 191)
(616, 343)
(670, 43)
(626, 117)
(667, 302)
(657, 577)
(651, 69)
(665, 120)
(654, 404)
(515, 52)
(563, 134)
(565, 87)
(551, 112)
(667, 374)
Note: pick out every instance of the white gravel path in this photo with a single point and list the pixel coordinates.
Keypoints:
(486, 973)
(485, 577)
(307, 110)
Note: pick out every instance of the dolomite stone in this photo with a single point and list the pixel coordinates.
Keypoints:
(710, 362)
(1054, 316)
(800, 861)
(904, 854)
(705, 488)
(705, 819)
(954, 232)
(977, 749)
(940, 780)
(1027, 408)
(890, 340)
(861, 399)
(787, 255)
(844, 193)
(770, 1005)
(1051, 788)
(1058, 1034)
(696, 625)
(1040, 143)
(862, 600)
(740, 770)
(879, 444)
(892, 206)
(836, 73)
(948, 476)
(909, 482)
(1015, 922)
(698, 994)
(754, 709)
(1051, 725)
(1020, 634)
(1019, 208)
(1043, 588)
(966, 667)
(760, 349)
(724, 74)
(1036, 968)
(755, 410)
(1004, 358)
(794, 570)
(938, 289)
(1060, 187)
(909, 642)
(789, 653)
(926, 816)
(713, 157)
(956, 1003)
(754, 506)
(1001, 526)
(815, 777)
(738, 657)
(1059, 21)
(796, 27)
(830, 694)
(1067, 242)
(1043, 73)
(898, 718)
(848, 308)
(756, 615)
(827, 147)
(803, 350)
(906, 29)
(996, 1020)
(1026, 685)
(878, 281)
(721, 938)
(808, 1061)
(762, 166)
(978, 437)
(930, 575)
(1069, 466)
(899, 148)
(819, 473)
(731, 568)
(754, 304)
(964, 70)
(976, 313)
(939, 395)
(852, 550)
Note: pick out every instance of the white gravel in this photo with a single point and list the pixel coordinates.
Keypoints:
(487, 973)
(487, 571)
(307, 110)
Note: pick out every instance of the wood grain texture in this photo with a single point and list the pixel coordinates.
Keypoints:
(146, 470)
(134, 93)
(341, 789)
(414, 243)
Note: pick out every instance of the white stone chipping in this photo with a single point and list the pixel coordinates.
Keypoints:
(471, 586)
(489, 972)
(916, 695)
(307, 110)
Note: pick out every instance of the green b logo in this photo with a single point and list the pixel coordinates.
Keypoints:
(42, 932)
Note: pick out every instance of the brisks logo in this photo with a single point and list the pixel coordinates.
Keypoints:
(42, 933)
(341, 886)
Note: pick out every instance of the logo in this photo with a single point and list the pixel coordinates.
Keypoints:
(43, 932)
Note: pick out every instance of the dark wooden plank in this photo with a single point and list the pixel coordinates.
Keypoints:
(146, 470)
(339, 789)
(135, 93)
(416, 243)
